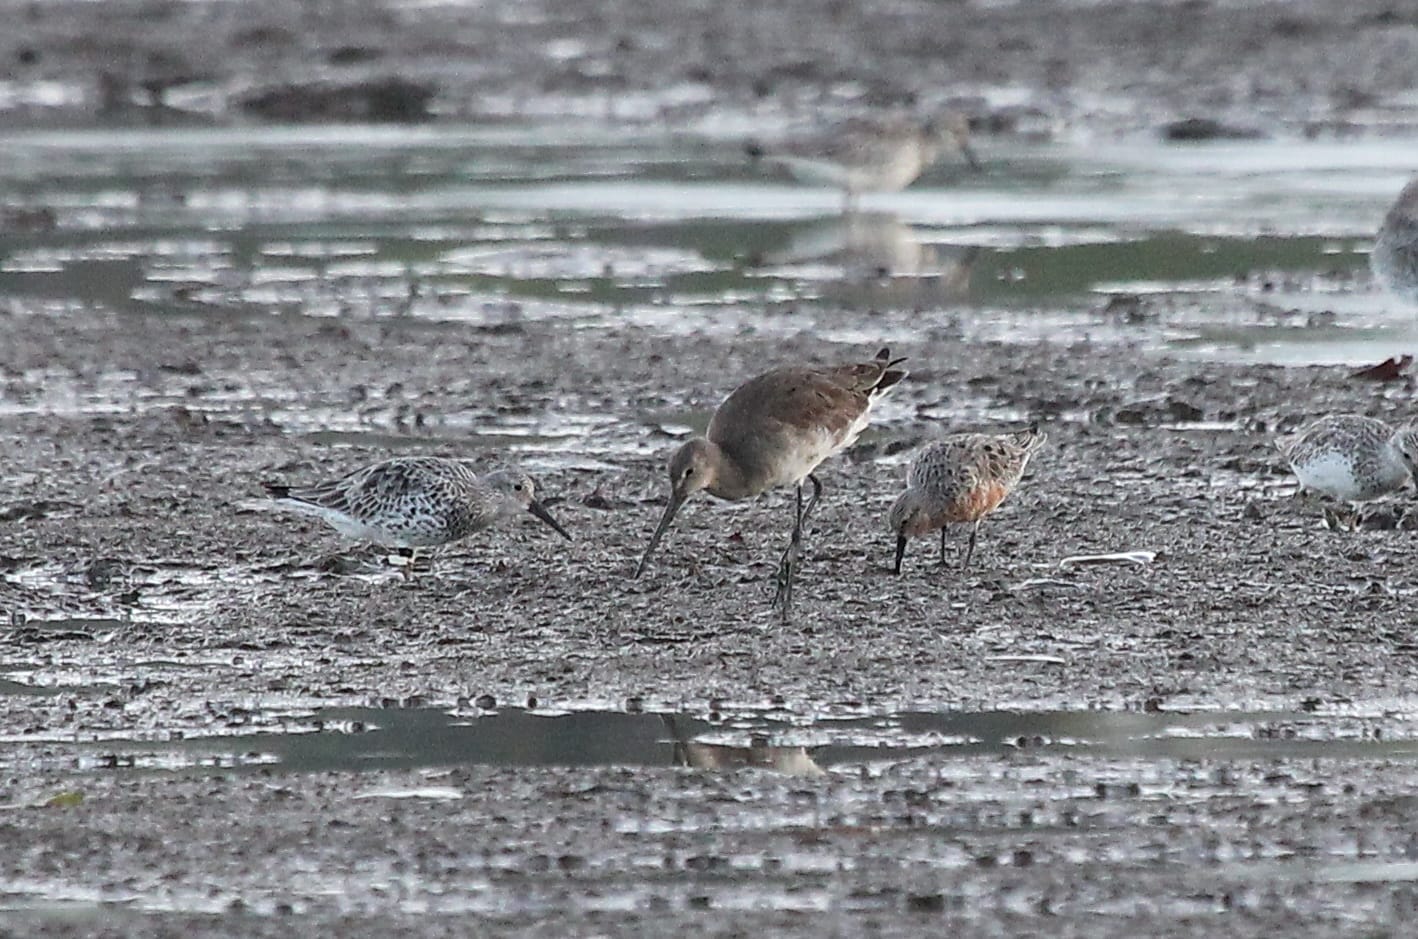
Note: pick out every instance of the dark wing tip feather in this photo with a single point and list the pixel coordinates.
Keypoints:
(883, 356)
(889, 378)
(277, 490)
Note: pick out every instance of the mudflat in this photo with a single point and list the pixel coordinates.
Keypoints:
(1151, 563)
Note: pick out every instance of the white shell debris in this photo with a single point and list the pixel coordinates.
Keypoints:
(1139, 558)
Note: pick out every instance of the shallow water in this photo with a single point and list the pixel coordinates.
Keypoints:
(1253, 250)
(404, 738)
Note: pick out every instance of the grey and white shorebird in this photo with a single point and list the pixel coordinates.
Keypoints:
(1351, 459)
(416, 502)
(774, 430)
(1394, 258)
(870, 154)
(959, 479)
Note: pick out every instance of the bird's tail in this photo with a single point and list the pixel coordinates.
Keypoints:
(889, 376)
(1031, 440)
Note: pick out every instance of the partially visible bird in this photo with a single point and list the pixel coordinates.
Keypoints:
(415, 502)
(961, 478)
(774, 430)
(1351, 459)
(759, 754)
(1394, 258)
(870, 154)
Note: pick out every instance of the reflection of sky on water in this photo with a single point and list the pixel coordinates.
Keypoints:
(411, 738)
(597, 226)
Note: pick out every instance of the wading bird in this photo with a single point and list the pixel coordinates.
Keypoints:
(774, 430)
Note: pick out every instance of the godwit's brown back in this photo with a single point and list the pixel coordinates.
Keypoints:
(776, 428)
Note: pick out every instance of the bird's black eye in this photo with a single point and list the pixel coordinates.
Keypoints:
(518, 487)
(688, 472)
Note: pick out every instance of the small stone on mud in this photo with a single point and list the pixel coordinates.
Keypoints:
(926, 903)
(1206, 128)
(598, 500)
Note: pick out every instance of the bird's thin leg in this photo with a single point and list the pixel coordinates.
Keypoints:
(942, 546)
(410, 556)
(970, 546)
(1340, 516)
(783, 598)
(811, 503)
(788, 566)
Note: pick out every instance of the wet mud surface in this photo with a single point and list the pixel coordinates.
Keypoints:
(157, 606)
(139, 532)
(219, 720)
(1085, 848)
(1209, 69)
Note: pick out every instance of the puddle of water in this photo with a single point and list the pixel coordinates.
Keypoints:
(363, 739)
(8, 687)
(496, 225)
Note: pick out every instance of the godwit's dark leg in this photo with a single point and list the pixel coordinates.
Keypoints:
(811, 503)
(783, 598)
(942, 546)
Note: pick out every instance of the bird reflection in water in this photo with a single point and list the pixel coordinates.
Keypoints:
(875, 257)
(759, 754)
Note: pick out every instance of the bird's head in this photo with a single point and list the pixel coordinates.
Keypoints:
(692, 468)
(953, 131)
(518, 495)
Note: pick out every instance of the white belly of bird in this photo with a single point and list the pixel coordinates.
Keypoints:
(810, 449)
(1330, 474)
(391, 532)
(816, 172)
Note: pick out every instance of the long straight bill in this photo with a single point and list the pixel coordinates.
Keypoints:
(670, 509)
(540, 511)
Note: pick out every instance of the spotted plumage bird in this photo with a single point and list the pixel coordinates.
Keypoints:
(410, 503)
(959, 479)
(1351, 459)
